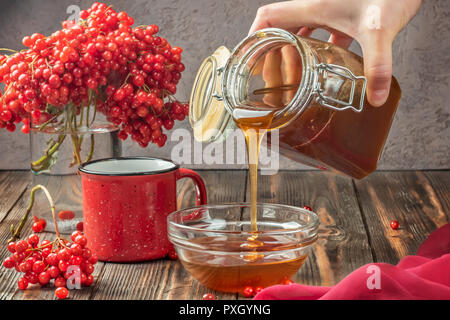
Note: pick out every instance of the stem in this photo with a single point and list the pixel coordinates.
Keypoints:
(76, 148)
(42, 126)
(88, 107)
(71, 117)
(10, 50)
(91, 150)
(81, 117)
(48, 154)
(16, 232)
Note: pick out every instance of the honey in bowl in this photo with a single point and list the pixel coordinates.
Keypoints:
(217, 245)
(258, 268)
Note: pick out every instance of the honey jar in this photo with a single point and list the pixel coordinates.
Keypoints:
(312, 91)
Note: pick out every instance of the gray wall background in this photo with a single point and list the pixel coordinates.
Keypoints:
(419, 138)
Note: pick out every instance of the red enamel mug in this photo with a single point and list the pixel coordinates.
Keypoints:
(126, 202)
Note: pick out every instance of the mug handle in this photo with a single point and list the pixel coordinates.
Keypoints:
(198, 181)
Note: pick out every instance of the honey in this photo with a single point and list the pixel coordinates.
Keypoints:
(232, 271)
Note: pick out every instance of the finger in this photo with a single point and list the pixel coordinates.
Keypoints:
(272, 77)
(305, 31)
(288, 15)
(341, 40)
(377, 53)
(291, 71)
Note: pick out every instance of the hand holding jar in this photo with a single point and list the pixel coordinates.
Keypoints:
(373, 23)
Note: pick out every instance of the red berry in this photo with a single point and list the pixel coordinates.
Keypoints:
(394, 224)
(76, 249)
(75, 234)
(66, 215)
(75, 261)
(38, 267)
(93, 259)
(12, 247)
(9, 263)
(44, 278)
(87, 267)
(53, 272)
(52, 259)
(89, 280)
(172, 254)
(60, 282)
(80, 226)
(248, 292)
(25, 266)
(87, 253)
(208, 296)
(33, 239)
(64, 254)
(21, 246)
(46, 251)
(307, 208)
(81, 240)
(288, 282)
(22, 283)
(63, 265)
(258, 290)
(37, 227)
(61, 293)
(18, 256)
(32, 277)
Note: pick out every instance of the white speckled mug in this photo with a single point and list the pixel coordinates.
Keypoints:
(126, 202)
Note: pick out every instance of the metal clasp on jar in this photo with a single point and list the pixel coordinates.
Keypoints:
(322, 71)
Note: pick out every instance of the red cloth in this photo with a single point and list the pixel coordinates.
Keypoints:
(424, 276)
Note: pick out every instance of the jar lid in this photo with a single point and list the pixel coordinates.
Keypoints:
(207, 113)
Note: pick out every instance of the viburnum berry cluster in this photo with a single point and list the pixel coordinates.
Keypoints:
(63, 262)
(60, 260)
(128, 74)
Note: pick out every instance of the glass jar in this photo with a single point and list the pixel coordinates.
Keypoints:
(312, 91)
(58, 147)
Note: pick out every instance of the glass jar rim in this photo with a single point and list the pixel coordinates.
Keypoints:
(305, 90)
(311, 224)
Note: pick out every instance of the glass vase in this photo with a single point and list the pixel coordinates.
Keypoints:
(58, 146)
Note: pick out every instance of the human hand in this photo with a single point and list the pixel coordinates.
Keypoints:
(373, 23)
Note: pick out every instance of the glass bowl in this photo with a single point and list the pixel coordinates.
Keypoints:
(218, 246)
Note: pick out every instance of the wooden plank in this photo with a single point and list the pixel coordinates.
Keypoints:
(12, 186)
(164, 279)
(343, 245)
(440, 182)
(407, 197)
(9, 278)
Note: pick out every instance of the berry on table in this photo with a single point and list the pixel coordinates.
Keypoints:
(172, 254)
(394, 224)
(61, 293)
(12, 247)
(22, 283)
(80, 226)
(248, 292)
(66, 215)
(258, 290)
(208, 296)
(9, 263)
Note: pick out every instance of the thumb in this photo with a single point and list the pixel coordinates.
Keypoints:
(378, 69)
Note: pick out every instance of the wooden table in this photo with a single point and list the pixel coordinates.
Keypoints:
(354, 216)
